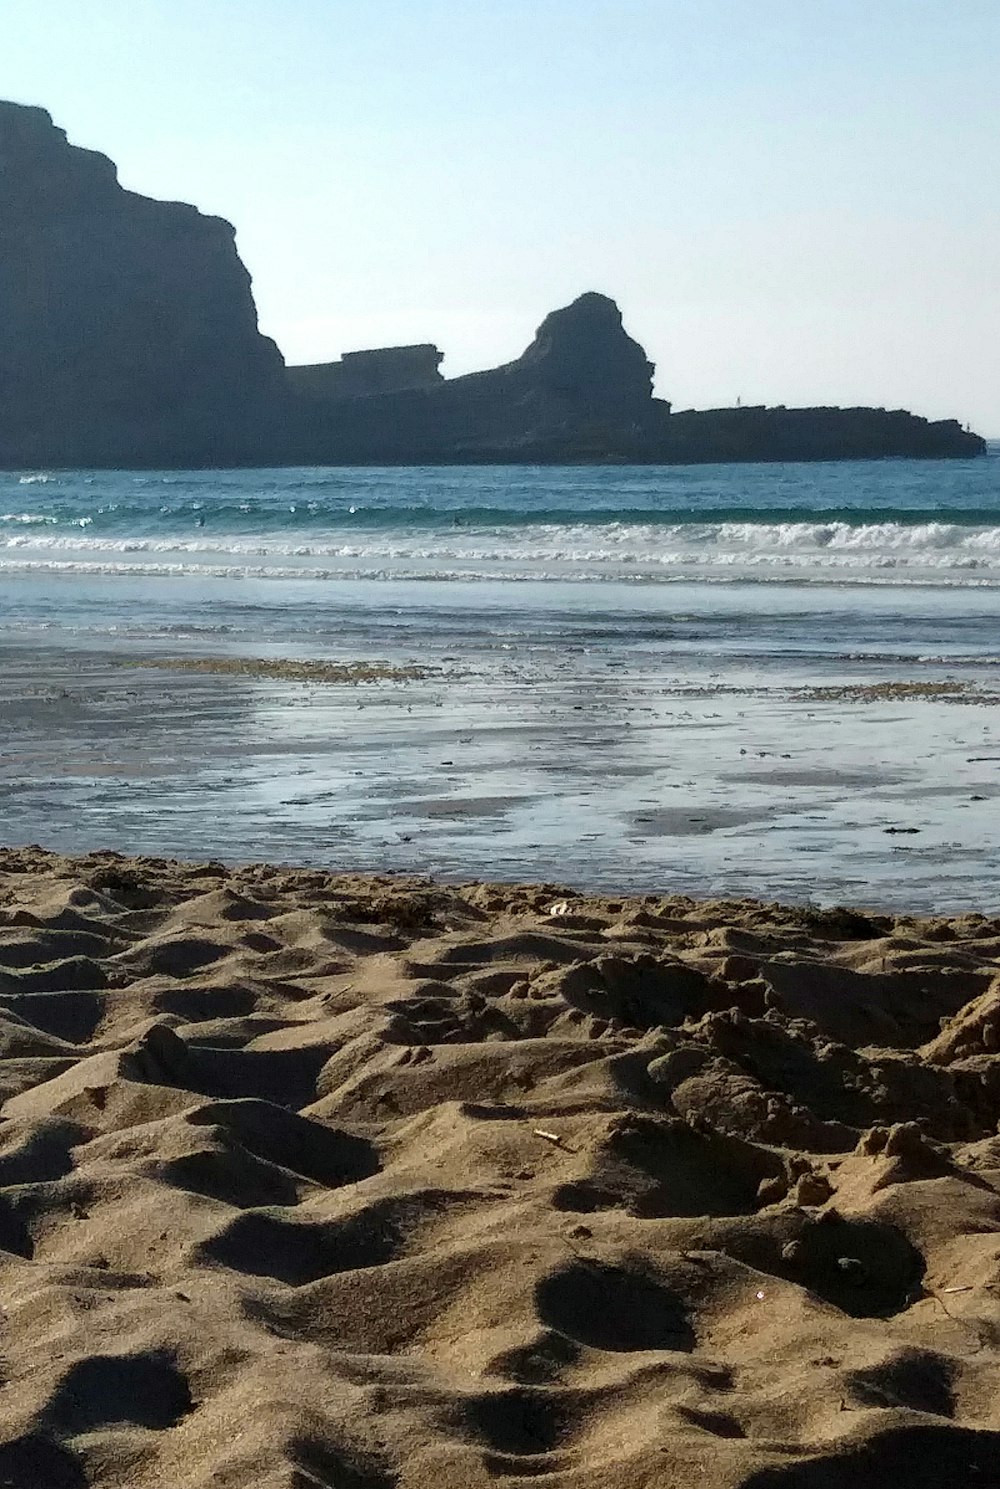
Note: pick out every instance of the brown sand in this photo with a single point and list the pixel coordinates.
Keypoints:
(367, 1183)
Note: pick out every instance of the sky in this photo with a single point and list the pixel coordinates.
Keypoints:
(793, 201)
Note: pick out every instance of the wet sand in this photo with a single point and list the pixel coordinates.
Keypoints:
(621, 779)
(313, 1179)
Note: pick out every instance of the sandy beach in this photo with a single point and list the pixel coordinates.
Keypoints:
(499, 746)
(330, 1180)
(401, 1169)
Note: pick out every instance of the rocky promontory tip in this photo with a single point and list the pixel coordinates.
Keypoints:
(131, 339)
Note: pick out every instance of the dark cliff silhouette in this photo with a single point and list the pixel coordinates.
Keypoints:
(581, 391)
(129, 338)
(129, 333)
(390, 369)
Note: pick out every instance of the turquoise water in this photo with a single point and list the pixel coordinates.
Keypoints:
(853, 522)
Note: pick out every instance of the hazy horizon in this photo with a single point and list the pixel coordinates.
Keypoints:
(789, 207)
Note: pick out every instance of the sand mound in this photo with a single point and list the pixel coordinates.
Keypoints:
(377, 1184)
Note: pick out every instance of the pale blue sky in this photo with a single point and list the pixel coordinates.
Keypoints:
(792, 200)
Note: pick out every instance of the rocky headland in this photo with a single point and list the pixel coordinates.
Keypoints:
(129, 329)
(131, 339)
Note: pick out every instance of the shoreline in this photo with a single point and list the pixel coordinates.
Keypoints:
(809, 915)
(451, 1181)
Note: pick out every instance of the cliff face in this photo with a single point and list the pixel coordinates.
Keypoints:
(129, 329)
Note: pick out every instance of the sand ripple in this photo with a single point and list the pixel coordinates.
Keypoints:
(312, 1180)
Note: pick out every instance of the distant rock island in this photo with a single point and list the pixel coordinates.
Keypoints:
(130, 339)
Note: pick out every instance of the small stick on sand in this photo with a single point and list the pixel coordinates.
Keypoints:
(551, 1137)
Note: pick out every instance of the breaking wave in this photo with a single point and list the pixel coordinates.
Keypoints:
(906, 522)
(930, 552)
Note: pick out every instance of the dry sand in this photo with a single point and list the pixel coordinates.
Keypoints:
(365, 1183)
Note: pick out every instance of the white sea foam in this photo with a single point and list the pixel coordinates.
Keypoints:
(397, 572)
(703, 544)
(935, 552)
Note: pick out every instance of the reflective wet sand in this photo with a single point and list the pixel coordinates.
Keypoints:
(605, 771)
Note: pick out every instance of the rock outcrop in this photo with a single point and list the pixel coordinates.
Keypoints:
(129, 329)
(130, 339)
(581, 390)
(584, 355)
(389, 369)
(733, 434)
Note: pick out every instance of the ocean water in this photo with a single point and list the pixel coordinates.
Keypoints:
(773, 680)
(857, 522)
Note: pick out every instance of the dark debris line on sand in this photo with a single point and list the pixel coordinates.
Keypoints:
(285, 669)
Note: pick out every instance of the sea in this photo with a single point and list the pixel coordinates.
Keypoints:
(779, 681)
